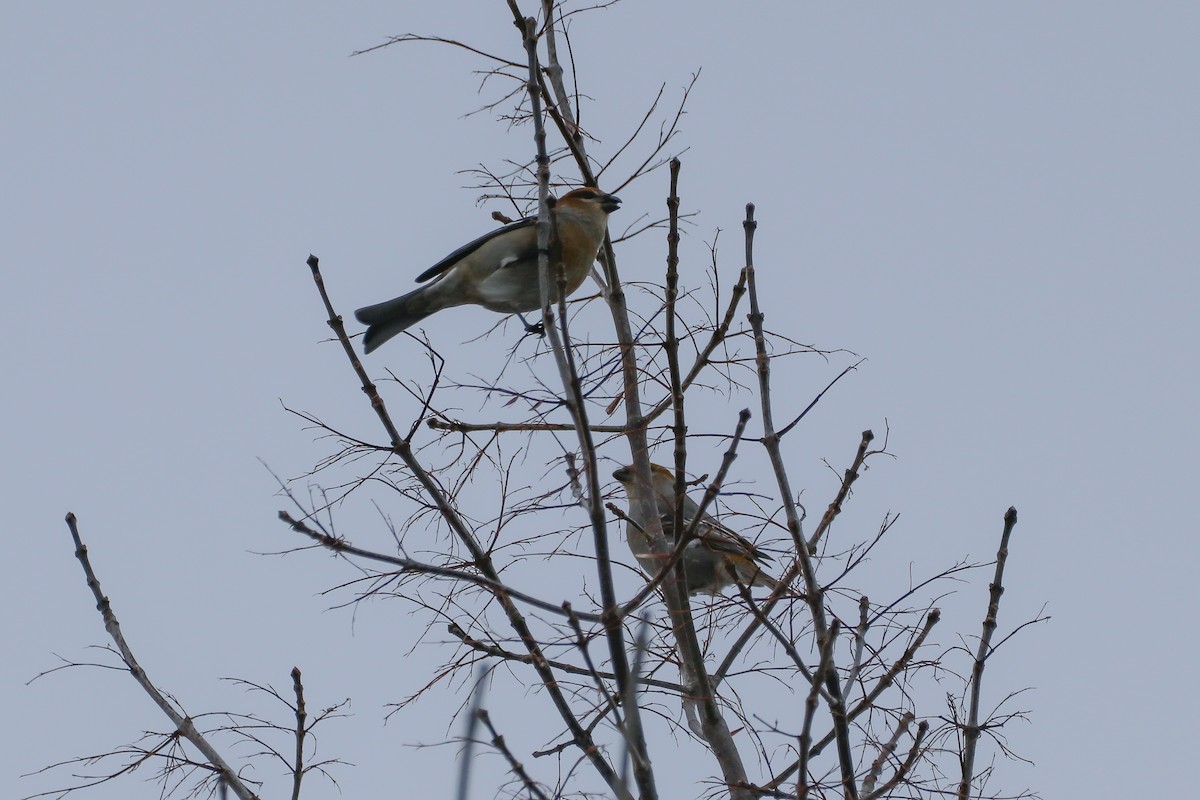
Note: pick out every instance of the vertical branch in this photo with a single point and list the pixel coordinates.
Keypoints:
(474, 712)
(841, 728)
(700, 686)
(554, 72)
(672, 348)
(972, 729)
(860, 640)
(301, 717)
(575, 403)
(810, 711)
(716, 732)
(182, 722)
(813, 593)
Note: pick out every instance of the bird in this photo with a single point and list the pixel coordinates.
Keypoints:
(499, 270)
(715, 559)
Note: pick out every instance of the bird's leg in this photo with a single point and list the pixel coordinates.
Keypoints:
(538, 329)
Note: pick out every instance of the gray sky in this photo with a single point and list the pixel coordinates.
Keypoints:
(995, 205)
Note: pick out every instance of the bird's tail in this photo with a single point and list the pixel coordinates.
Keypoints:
(763, 579)
(758, 577)
(385, 320)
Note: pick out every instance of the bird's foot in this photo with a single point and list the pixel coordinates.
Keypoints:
(534, 329)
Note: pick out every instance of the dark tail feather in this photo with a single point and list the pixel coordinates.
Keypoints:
(385, 320)
(763, 579)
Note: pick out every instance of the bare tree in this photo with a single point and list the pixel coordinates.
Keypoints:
(816, 688)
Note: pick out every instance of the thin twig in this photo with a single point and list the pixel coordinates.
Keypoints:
(516, 766)
(848, 479)
(860, 640)
(493, 585)
(561, 666)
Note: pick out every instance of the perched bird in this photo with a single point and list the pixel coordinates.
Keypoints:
(499, 270)
(716, 558)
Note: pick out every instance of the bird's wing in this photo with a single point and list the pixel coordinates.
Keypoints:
(716, 536)
(470, 247)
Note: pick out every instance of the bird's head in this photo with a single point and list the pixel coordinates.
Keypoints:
(590, 197)
(661, 477)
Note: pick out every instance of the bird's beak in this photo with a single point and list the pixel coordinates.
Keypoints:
(610, 203)
(623, 475)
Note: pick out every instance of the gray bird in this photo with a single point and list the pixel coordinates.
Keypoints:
(499, 270)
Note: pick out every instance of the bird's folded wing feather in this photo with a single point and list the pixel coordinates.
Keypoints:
(470, 247)
(718, 537)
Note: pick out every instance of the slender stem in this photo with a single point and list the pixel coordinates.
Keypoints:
(972, 729)
(301, 718)
(813, 593)
(824, 668)
(516, 766)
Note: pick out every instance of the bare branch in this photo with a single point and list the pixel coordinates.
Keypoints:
(972, 728)
(516, 766)
(301, 718)
(182, 722)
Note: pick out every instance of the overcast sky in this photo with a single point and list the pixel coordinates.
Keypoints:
(994, 204)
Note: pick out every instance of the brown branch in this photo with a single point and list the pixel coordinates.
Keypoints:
(817, 399)
(718, 335)
(416, 37)
(672, 348)
(841, 727)
(788, 647)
